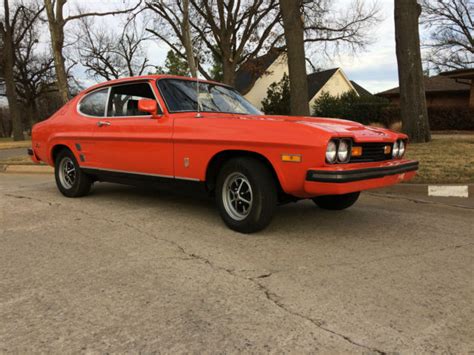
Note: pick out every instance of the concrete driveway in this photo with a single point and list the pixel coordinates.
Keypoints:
(131, 270)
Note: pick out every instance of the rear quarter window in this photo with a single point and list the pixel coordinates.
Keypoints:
(94, 104)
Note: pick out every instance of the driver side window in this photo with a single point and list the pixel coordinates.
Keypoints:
(124, 99)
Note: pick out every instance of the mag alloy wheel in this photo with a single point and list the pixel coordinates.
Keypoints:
(67, 173)
(237, 196)
(70, 179)
(246, 194)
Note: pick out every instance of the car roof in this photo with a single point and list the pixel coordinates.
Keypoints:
(148, 77)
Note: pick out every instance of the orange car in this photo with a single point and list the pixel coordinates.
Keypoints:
(167, 127)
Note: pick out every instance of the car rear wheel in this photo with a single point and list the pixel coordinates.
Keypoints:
(246, 195)
(336, 202)
(70, 179)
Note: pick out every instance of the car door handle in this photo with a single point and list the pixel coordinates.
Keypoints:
(103, 123)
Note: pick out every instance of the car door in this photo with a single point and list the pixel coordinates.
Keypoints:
(90, 109)
(130, 141)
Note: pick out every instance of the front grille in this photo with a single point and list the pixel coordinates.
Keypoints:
(372, 152)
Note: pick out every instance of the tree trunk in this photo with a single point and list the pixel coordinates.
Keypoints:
(56, 29)
(294, 35)
(30, 114)
(8, 64)
(228, 72)
(188, 45)
(57, 40)
(35, 116)
(17, 127)
(410, 71)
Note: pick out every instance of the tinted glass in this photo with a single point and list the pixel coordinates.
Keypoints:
(94, 104)
(124, 99)
(181, 96)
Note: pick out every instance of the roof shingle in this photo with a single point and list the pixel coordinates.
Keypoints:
(317, 80)
(435, 84)
(253, 69)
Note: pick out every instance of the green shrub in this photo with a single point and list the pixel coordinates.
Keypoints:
(277, 101)
(390, 115)
(440, 118)
(451, 118)
(350, 106)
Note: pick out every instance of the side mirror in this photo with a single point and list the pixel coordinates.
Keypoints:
(148, 106)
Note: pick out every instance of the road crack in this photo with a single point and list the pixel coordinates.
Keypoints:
(264, 276)
(270, 296)
(22, 197)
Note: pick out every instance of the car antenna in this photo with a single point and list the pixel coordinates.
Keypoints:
(198, 113)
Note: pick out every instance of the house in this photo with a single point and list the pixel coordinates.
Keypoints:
(463, 76)
(442, 91)
(255, 76)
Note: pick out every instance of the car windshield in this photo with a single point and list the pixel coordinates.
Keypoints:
(181, 96)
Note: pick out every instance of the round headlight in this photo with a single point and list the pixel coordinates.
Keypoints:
(343, 151)
(401, 149)
(395, 150)
(331, 152)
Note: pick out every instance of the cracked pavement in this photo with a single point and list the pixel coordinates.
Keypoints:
(134, 270)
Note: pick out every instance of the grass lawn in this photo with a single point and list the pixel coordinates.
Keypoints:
(8, 143)
(447, 159)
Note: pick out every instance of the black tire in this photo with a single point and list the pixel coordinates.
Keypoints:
(80, 185)
(336, 202)
(262, 194)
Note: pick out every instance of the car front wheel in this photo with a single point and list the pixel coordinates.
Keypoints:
(246, 195)
(70, 179)
(336, 202)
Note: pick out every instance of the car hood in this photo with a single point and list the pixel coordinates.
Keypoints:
(334, 127)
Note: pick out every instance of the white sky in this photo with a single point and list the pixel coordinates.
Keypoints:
(375, 68)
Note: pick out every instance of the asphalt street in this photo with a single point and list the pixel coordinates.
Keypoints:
(135, 270)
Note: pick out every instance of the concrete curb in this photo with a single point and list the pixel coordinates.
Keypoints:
(438, 190)
(27, 169)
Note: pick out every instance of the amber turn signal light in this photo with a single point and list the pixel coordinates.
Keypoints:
(387, 149)
(291, 158)
(356, 151)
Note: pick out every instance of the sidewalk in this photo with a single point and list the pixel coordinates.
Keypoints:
(26, 169)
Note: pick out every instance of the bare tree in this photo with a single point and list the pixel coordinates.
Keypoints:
(232, 30)
(187, 39)
(351, 27)
(33, 73)
(8, 62)
(110, 54)
(410, 71)
(451, 27)
(294, 35)
(13, 29)
(316, 22)
(57, 22)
